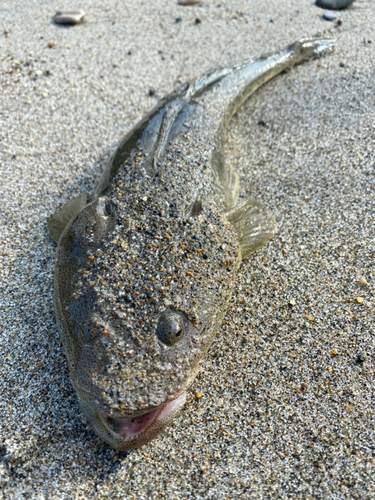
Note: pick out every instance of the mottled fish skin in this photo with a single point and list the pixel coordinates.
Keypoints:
(145, 270)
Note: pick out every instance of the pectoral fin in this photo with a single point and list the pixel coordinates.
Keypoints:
(254, 224)
(58, 221)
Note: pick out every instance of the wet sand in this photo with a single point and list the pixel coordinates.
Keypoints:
(287, 409)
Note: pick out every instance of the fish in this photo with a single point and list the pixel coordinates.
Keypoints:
(145, 266)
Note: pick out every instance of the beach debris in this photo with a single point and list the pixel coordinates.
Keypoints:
(69, 17)
(333, 4)
(329, 16)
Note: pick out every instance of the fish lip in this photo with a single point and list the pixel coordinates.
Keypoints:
(136, 427)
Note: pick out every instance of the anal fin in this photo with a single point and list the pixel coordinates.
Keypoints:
(254, 223)
(58, 221)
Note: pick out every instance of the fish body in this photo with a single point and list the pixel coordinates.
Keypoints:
(145, 268)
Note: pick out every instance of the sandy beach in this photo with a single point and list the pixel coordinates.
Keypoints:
(287, 407)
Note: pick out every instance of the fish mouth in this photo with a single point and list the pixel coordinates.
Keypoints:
(135, 431)
(128, 432)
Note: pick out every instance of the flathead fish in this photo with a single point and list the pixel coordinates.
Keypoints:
(145, 267)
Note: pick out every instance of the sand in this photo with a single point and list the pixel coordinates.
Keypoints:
(287, 406)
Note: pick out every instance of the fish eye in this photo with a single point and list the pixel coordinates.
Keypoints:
(170, 328)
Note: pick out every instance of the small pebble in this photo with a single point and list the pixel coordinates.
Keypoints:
(360, 359)
(333, 4)
(329, 16)
(362, 281)
(359, 300)
(188, 2)
(51, 44)
(198, 21)
(178, 20)
(348, 408)
(71, 17)
(335, 352)
(292, 302)
(151, 92)
(198, 395)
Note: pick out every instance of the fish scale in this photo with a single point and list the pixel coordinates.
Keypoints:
(145, 267)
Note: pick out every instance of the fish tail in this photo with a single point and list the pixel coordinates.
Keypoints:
(306, 48)
(244, 80)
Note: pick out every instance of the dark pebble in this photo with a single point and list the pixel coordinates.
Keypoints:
(188, 2)
(128, 298)
(360, 359)
(178, 20)
(198, 21)
(333, 4)
(151, 92)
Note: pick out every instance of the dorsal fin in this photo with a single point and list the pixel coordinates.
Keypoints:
(58, 221)
(169, 119)
(203, 83)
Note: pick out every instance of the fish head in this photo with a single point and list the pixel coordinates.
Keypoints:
(139, 296)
